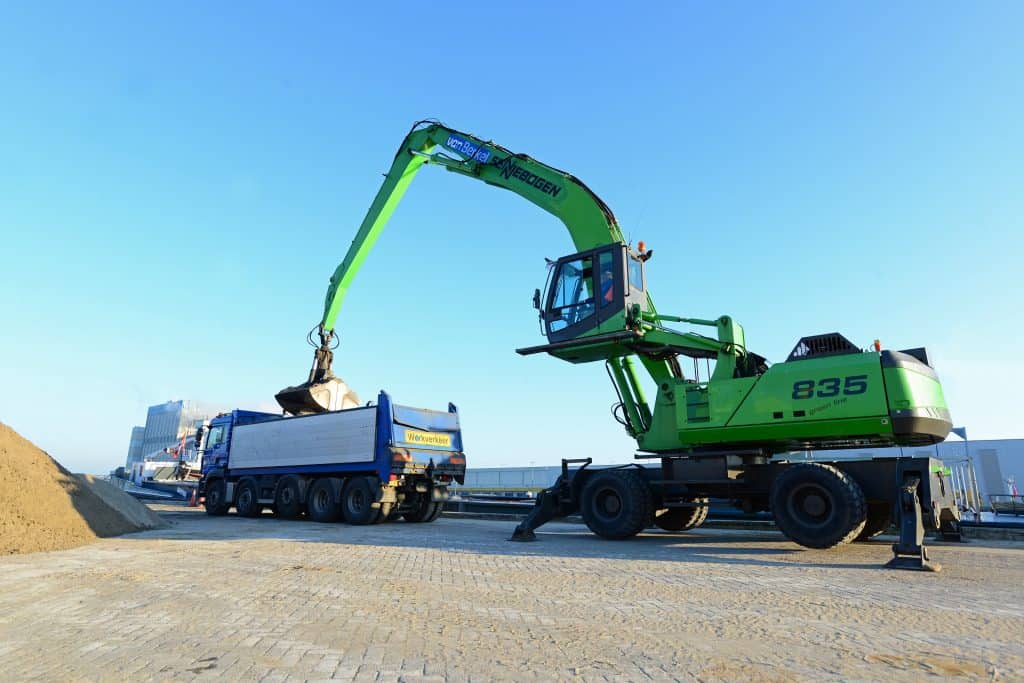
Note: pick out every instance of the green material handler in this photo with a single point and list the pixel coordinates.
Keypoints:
(720, 434)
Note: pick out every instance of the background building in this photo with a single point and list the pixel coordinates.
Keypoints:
(166, 424)
(135, 445)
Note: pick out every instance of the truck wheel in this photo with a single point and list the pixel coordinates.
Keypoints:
(247, 500)
(879, 520)
(436, 512)
(357, 500)
(817, 505)
(617, 504)
(216, 492)
(287, 501)
(682, 519)
(423, 510)
(322, 501)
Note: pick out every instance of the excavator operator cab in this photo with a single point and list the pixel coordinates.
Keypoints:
(586, 290)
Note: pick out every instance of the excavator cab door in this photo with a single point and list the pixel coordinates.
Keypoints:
(588, 289)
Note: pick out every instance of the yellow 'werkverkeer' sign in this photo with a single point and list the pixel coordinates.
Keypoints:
(428, 438)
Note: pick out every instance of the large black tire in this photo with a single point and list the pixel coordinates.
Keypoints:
(617, 504)
(216, 493)
(322, 501)
(436, 512)
(423, 510)
(879, 520)
(682, 519)
(247, 500)
(288, 499)
(357, 498)
(817, 505)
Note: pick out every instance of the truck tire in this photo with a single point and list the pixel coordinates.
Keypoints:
(817, 505)
(247, 500)
(435, 513)
(424, 510)
(357, 500)
(287, 499)
(682, 519)
(617, 504)
(216, 493)
(322, 502)
(879, 520)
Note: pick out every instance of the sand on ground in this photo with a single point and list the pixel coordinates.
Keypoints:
(45, 507)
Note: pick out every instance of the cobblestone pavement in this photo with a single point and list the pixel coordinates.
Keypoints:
(241, 599)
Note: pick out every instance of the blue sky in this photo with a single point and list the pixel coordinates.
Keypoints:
(178, 182)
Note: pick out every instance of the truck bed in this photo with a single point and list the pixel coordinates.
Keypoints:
(341, 437)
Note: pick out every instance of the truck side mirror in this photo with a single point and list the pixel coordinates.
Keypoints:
(199, 437)
(536, 299)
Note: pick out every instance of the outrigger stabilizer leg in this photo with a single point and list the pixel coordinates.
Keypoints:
(552, 503)
(909, 552)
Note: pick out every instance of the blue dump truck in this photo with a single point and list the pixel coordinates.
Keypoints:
(364, 465)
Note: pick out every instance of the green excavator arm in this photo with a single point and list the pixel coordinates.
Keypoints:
(588, 220)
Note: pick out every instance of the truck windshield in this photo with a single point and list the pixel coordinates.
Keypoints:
(215, 436)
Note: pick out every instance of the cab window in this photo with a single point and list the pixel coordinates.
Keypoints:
(216, 436)
(573, 299)
(636, 274)
(606, 278)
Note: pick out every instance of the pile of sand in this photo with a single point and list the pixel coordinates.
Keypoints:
(45, 507)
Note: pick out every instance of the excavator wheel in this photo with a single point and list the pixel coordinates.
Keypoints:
(879, 520)
(818, 505)
(682, 519)
(617, 504)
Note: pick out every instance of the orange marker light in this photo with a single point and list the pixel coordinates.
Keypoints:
(640, 246)
(878, 345)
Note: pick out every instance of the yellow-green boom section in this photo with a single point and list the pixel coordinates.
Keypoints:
(588, 219)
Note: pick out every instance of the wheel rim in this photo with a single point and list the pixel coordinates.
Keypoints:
(607, 504)
(245, 498)
(320, 501)
(286, 496)
(811, 505)
(357, 501)
(214, 498)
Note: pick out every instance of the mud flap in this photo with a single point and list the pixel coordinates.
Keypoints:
(909, 552)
